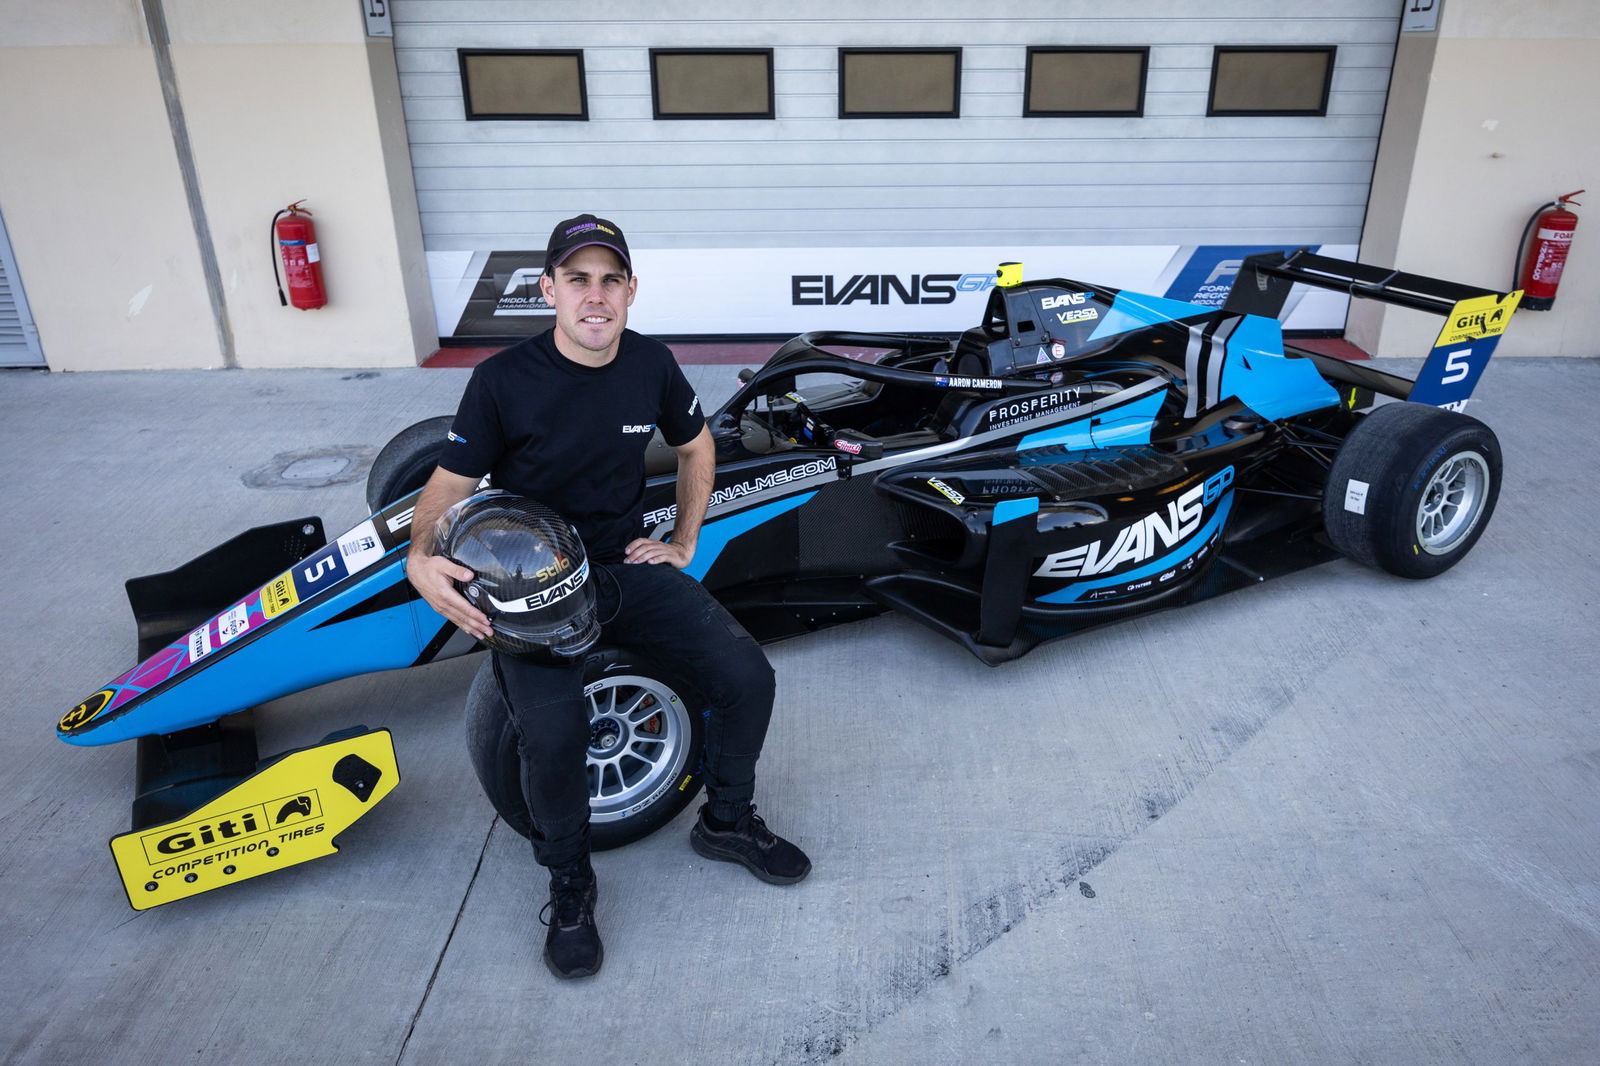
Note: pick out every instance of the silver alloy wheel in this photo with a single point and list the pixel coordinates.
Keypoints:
(638, 744)
(1452, 503)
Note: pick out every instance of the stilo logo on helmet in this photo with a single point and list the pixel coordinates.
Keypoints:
(531, 575)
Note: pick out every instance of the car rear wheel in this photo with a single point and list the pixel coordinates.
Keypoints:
(644, 748)
(1412, 489)
(406, 462)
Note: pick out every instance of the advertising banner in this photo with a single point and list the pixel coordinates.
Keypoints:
(734, 291)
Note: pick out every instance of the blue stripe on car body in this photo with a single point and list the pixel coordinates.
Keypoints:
(715, 536)
(1256, 369)
(1130, 423)
(1136, 310)
(1267, 381)
(1006, 510)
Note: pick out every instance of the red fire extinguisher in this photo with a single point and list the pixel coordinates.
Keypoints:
(296, 238)
(1540, 273)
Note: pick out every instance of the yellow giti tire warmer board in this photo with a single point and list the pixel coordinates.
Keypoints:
(286, 813)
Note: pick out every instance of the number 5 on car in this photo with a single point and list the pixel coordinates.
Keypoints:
(1471, 331)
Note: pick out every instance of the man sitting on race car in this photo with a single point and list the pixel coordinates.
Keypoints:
(564, 418)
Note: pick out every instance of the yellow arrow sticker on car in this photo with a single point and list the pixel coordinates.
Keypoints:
(285, 814)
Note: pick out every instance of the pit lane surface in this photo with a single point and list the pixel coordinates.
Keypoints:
(1339, 817)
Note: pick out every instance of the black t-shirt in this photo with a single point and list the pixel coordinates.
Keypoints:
(571, 436)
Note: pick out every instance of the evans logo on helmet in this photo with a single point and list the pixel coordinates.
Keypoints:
(1143, 539)
(545, 597)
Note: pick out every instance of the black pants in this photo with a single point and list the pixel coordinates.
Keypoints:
(666, 614)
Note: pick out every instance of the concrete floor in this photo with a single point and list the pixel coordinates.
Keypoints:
(1338, 818)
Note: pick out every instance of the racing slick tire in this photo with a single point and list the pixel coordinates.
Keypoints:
(406, 462)
(644, 752)
(1412, 489)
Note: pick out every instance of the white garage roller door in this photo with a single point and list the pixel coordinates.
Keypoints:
(19, 340)
(809, 195)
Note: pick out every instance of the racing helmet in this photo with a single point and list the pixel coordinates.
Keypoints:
(530, 575)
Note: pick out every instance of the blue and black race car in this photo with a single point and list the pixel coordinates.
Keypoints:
(1082, 456)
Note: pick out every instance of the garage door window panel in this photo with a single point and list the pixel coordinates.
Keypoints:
(1085, 82)
(1270, 80)
(711, 82)
(899, 83)
(523, 84)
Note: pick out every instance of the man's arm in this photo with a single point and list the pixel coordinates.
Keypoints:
(697, 467)
(431, 575)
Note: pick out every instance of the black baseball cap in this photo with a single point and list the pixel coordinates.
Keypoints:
(581, 232)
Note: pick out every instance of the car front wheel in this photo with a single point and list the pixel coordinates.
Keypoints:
(643, 762)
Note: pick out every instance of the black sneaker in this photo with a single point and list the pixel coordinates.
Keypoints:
(572, 948)
(752, 845)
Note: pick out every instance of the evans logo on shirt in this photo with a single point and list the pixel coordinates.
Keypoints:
(638, 429)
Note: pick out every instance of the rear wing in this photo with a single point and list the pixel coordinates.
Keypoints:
(1474, 317)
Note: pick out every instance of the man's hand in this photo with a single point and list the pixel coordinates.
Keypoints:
(697, 464)
(432, 576)
(645, 550)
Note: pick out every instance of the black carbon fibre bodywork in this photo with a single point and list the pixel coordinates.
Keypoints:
(1082, 456)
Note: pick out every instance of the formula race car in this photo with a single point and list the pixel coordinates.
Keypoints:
(1083, 455)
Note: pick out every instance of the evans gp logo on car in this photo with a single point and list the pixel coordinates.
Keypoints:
(827, 290)
(1141, 540)
(1068, 307)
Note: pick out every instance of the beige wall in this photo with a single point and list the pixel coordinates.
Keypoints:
(282, 102)
(92, 194)
(1486, 121)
